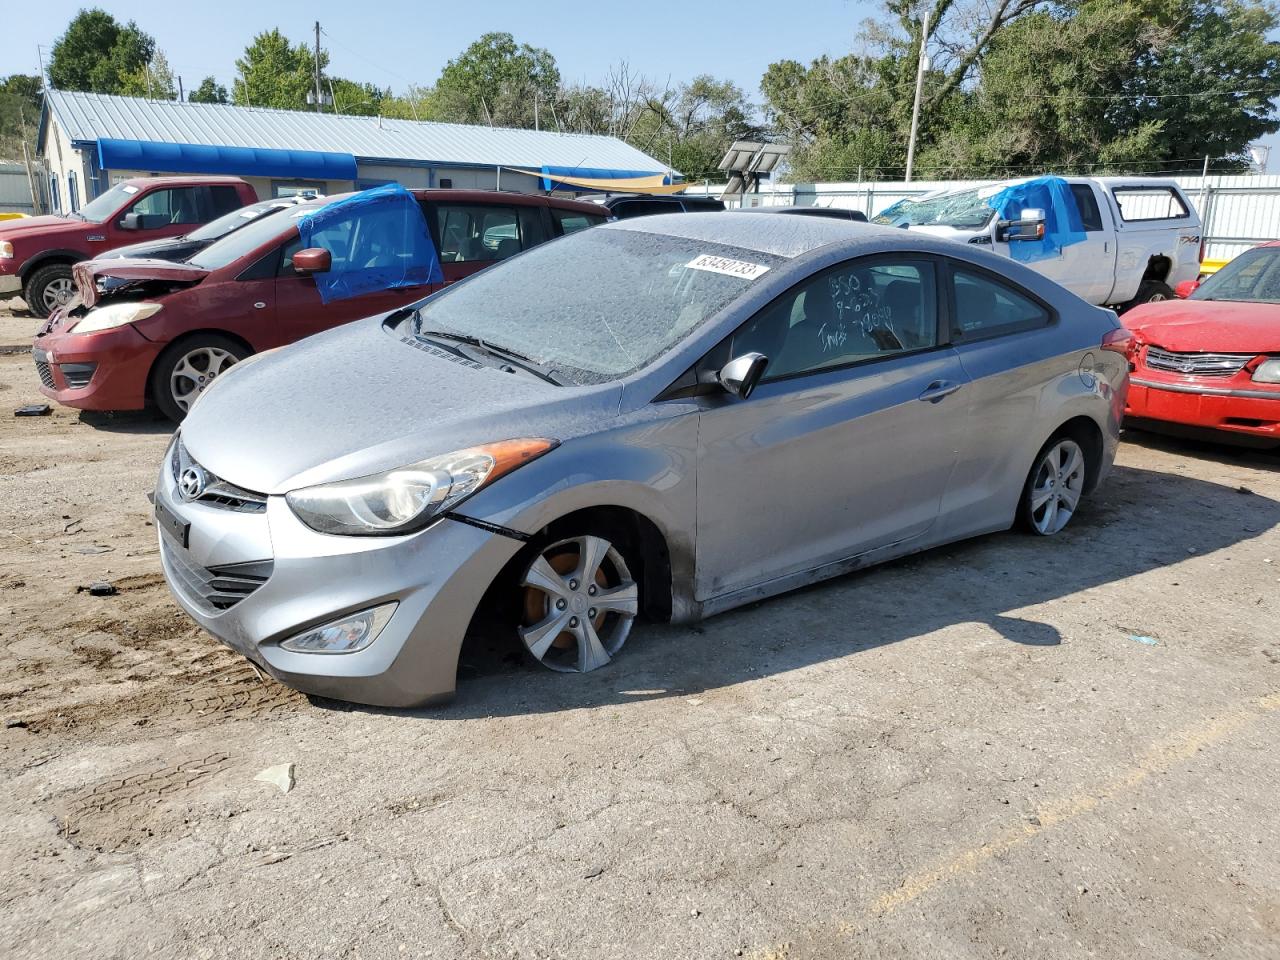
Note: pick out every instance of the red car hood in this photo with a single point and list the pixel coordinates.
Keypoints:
(40, 226)
(1208, 326)
(129, 273)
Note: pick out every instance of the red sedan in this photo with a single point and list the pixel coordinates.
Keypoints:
(1212, 361)
(152, 332)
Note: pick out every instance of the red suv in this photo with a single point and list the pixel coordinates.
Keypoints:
(158, 333)
(36, 253)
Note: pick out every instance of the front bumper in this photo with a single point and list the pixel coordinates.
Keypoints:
(1236, 404)
(95, 371)
(437, 577)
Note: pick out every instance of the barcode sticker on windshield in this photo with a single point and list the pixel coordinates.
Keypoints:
(733, 268)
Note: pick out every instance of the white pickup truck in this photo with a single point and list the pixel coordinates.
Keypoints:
(1141, 236)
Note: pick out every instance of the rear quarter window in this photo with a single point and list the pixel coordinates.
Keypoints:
(571, 221)
(1143, 204)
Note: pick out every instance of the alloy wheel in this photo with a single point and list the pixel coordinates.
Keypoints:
(57, 293)
(195, 371)
(1056, 487)
(580, 602)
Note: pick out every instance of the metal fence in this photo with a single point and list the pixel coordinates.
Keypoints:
(15, 189)
(1237, 211)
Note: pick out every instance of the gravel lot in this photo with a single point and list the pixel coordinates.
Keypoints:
(966, 754)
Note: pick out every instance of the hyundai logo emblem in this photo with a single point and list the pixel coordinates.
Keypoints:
(191, 483)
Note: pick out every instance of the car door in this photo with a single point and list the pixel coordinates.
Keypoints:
(298, 309)
(164, 212)
(470, 236)
(848, 442)
(1091, 265)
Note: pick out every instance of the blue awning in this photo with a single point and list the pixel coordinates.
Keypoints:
(237, 161)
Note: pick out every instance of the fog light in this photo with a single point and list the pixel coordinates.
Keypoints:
(353, 632)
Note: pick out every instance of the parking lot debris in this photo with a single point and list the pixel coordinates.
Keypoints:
(99, 588)
(15, 724)
(91, 549)
(593, 873)
(1149, 641)
(33, 410)
(281, 775)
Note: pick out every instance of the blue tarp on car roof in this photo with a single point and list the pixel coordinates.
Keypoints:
(378, 240)
(1062, 224)
(237, 161)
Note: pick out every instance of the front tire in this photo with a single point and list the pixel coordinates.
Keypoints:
(579, 603)
(1054, 487)
(188, 367)
(48, 288)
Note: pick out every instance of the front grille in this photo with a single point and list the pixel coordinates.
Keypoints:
(1197, 364)
(213, 589)
(45, 373)
(217, 492)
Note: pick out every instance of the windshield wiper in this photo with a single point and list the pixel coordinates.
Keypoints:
(502, 353)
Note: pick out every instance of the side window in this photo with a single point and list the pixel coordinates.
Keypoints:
(859, 311)
(569, 221)
(1087, 204)
(476, 232)
(341, 238)
(222, 201)
(1148, 203)
(161, 208)
(987, 308)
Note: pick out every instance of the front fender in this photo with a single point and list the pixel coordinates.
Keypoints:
(646, 464)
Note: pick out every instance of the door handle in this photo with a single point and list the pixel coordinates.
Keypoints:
(939, 389)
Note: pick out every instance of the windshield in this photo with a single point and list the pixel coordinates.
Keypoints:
(966, 210)
(236, 244)
(1254, 275)
(104, 205)
(598, 304)
(233, 220)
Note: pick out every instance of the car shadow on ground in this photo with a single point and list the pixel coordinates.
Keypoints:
(1140, 520)
(127, 421)
(1206, 448)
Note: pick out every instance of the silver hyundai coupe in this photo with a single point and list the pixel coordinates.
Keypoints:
(667, 416)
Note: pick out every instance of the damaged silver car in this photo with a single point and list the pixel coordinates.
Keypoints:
(667, 416)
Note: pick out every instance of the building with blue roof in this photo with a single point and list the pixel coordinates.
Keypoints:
(88, 141)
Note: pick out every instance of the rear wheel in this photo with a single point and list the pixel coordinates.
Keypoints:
(1151, 291)
(1054, 488)
(579, 602)
(187, 368)
(48, 288)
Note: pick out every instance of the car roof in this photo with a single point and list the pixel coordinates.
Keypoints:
(779, 236)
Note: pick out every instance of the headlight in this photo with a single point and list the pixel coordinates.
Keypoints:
(406, 499)
(1268, 371)
(6, 250)
(115, 315)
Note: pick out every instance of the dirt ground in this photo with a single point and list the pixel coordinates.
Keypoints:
(1009, 748)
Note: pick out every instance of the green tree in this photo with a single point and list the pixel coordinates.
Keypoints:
(20, 97)
(97, 53)
(498, 82)
(275, 73)
(209, 91)
(693, 126)
(361, 99)
(153, 80)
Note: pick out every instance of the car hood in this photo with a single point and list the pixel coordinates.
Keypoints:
(360, 399)
(40, 226)
(1208, 326)
(96, 279)
(153, 249)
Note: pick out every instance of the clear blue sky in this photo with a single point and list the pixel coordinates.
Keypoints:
(396, 42)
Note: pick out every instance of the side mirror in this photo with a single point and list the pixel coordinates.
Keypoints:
(1029, 226)
(131, 221)
(741, 374)
(312, 260)
(1186, 288)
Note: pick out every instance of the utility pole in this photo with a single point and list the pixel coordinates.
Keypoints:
(915, 107)
(182, 94)
(535, 110)
(319, 96)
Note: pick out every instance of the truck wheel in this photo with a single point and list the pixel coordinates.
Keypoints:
(48, 288)
(1151, 291)
(187, 367)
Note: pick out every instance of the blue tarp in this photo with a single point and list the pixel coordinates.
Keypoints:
(238, 161)
(378, 240)
(1062, 224)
